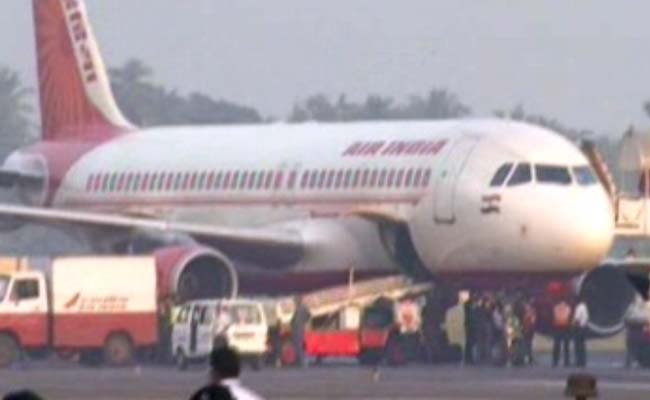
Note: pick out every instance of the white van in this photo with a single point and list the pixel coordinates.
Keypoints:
(201, 325)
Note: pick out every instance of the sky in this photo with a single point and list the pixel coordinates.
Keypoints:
(584, 62)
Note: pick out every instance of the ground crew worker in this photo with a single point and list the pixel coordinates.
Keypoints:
(528, 324)
(561, 331)
(298, 323)
(470, 310)
(580, 321)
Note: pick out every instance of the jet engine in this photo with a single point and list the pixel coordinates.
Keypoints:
(608, 293)
(194, 272)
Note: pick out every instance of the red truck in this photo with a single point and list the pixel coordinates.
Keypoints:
(102, 308)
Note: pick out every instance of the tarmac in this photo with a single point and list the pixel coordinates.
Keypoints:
(330, 381)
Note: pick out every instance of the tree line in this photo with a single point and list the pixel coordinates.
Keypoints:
(146, 102)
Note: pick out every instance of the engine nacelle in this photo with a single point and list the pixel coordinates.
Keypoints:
(194, 272)
(608, 293)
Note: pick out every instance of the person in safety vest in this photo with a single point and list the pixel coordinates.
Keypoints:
(561, 331)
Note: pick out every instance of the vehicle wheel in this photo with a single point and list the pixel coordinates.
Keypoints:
(180, 360)
(395, 352)
(9, 351)
(118, 350)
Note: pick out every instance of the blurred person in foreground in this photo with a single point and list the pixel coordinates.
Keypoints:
(22, 395)
(225, 368)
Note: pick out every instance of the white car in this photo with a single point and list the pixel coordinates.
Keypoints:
(202, 325)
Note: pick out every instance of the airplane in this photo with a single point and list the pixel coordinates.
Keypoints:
(279, 206)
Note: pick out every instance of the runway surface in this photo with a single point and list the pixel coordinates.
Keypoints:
(326, 382)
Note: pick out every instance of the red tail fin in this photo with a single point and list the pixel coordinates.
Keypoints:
(75, 93)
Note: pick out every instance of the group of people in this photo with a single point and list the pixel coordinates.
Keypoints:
(499, 329)
(225, 367)
(569, 324)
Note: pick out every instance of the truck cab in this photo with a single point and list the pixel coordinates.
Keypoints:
(23, 314)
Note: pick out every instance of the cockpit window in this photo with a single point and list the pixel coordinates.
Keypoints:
(584, 176)
(555, 174)
(500, 176)
(521, 175)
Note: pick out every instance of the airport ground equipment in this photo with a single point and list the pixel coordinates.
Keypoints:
(102, 308)
(377, 320)
(203, 325)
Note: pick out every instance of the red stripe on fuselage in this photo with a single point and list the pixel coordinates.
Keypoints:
(61, 156)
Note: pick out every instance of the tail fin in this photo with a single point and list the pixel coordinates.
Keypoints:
(75, 93)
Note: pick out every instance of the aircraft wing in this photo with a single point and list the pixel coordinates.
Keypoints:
(274, 245)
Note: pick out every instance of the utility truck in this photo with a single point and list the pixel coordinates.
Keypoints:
(100, 308)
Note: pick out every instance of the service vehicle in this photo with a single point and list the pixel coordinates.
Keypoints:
(377, 320)
(202, 325)
(101, 308)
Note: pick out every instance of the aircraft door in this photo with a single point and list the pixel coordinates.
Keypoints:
(447, 178)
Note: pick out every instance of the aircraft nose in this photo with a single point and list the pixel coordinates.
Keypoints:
(587, 230)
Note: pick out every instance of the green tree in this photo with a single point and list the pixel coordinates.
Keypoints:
(518, 113)
(16, 111)
(146, 103)
(437, 104)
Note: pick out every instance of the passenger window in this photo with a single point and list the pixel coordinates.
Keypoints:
(206, 316)
(500, 176)
(552, 174)
(330, 178)
(290, 183)
(364, 179)
(182, 315)
(243, 181)
(321, 179)
(260, 180)
(313, 179)
(584, 176)
(252, 180)
(196, 313)
(25, 289)
(269, 180)
(339, 179)
(399, 178)
(426, 177)
(235, 180)
(521, 175)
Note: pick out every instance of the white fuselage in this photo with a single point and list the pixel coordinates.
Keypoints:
(433, 176)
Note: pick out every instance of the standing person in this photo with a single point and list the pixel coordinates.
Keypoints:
(580, 321)
(225, 368)
(498, 343)
(470, 310)
(528, 317)
(298, 324)
(482, 328)
(561, 331)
